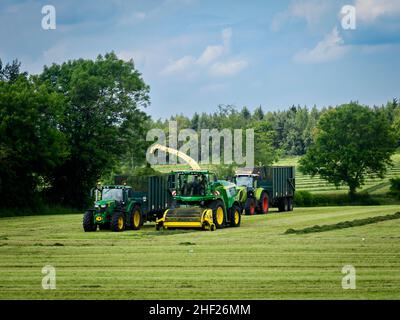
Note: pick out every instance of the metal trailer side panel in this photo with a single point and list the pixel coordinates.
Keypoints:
(281, 177)
(158, 197)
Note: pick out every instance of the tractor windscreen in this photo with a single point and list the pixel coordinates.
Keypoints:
(112, 194)
(246, 181)
(192, 185)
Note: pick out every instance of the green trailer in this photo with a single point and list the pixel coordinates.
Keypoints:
(120, 206)
(263, 187)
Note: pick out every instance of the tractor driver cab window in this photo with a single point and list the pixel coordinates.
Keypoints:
(130, 193)
(112, 194)
(246, 181)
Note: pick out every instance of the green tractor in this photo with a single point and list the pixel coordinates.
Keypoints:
(116, 210)
(263, 187)
(200, 201)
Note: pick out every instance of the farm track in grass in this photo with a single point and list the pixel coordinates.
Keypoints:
(255, 261)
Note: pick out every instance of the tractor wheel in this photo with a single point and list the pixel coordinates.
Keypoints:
(88, 222)
(264, 203)
(290, 204)
(218, 213)
(105, 226)
(250, 206)
(235, 216)
(136, 218)
(118, 221)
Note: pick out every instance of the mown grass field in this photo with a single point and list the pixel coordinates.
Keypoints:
(255, 261)
(372, 185)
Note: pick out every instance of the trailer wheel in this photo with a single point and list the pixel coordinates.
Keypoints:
(118, 221)
(264, 203)
(218, 213)
(88, 223)
(283, 205)
(235, 216)
(286, 204)
(136, 218)
(290, 204)
(250, 207)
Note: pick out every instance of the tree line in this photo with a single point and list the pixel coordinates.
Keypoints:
(76, 122)
(62, 129)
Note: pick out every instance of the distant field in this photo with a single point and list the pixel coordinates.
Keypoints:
(255, 261)
(316, 184)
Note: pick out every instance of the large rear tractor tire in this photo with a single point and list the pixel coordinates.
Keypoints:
(118, 221)
(217, 207)
(264, 203)
(250, 206)
(136, 218)
(235, 216)
(88, 222)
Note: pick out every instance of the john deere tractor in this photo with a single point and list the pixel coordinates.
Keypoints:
(117, 209)
(201, 201)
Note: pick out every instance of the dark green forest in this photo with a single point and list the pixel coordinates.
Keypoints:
(64, 129)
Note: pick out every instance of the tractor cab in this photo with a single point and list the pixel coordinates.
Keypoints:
(113, 194)
(192, 183)
(248, 181)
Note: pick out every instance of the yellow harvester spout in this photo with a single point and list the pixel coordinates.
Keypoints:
(190, 161)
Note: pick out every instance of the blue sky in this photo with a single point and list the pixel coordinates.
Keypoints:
(197, 54)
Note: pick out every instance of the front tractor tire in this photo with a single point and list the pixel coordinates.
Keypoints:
(264, 203)
(136, 218)
(118, 221)
(88, 222)
(250, 206)
(235, 216)
(218, 213)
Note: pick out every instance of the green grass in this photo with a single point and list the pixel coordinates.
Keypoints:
(373, 185)
(255, 261)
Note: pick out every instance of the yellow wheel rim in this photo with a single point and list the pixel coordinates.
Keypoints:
(136, 218)
(220, 215)
(236, 217)
(120, 223)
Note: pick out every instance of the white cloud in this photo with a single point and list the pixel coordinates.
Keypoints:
(212, 53)
(179, 65)
(208, 60)
(312, 11)
(371, 10)
(330, 48)
(140, 15)
(228, 68)
(214, 88)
